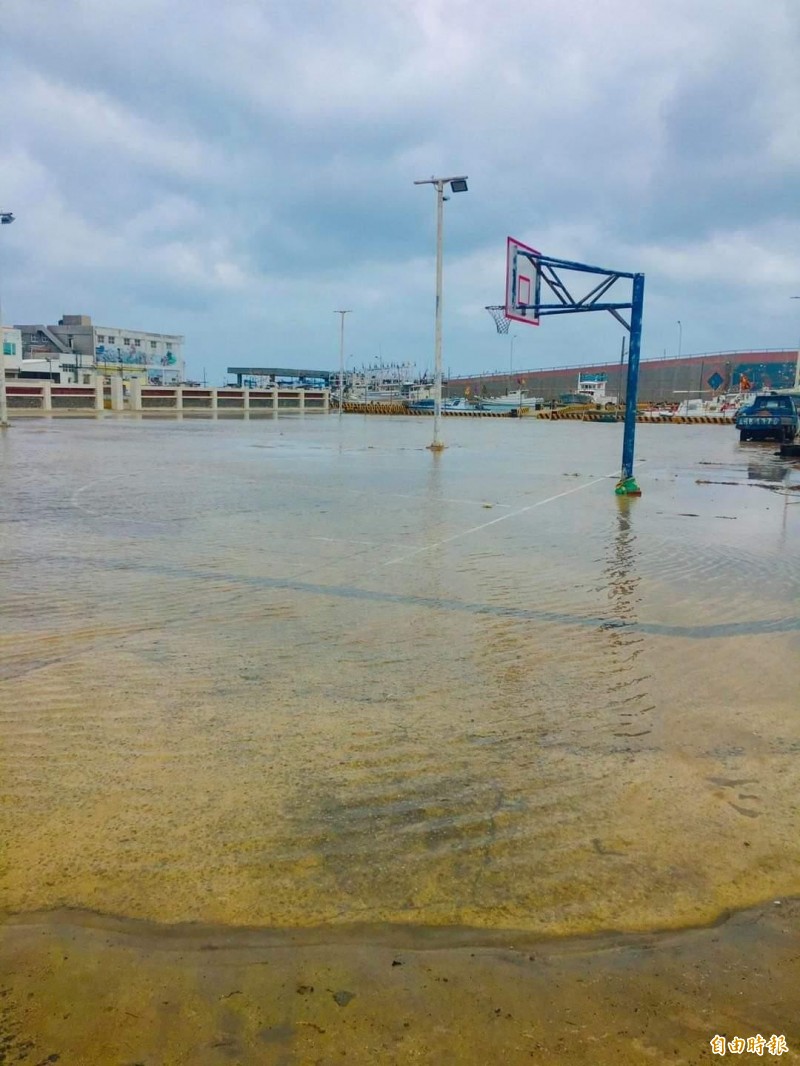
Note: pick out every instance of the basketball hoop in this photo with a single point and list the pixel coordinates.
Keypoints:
(498, 313)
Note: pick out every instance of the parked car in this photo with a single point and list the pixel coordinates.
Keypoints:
(771, 416)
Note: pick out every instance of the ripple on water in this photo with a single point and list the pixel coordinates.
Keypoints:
(193, 728)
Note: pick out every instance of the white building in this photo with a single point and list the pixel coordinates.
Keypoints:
(12, 344)
(84, 350)
(51, 365)
(14, 364)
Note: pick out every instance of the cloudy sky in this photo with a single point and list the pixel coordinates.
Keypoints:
(238, 171)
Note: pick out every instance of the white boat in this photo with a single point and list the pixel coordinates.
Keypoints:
(658, 413)
(594, 386)
(723, 406)
(691, 408)
(512, 401)
(425, 406)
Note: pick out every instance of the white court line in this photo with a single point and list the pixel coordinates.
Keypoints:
(376, 544)
(384, 496)
(96, 481)
(345, 540)
(444, 499)
(494, 521)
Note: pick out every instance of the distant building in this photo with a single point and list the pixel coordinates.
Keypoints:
(84, 350)
(18, 367)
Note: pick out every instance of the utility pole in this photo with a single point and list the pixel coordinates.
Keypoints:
(6, 218)
(341, 357)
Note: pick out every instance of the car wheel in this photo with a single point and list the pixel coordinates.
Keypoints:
(742, 435)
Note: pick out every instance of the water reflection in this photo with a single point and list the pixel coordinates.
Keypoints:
(768, 468)
(623, 580)
(629, 692)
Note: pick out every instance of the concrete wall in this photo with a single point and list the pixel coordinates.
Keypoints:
(48, 397)
(190, 398)
(661, 380)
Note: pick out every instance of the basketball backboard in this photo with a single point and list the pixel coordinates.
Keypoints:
(523, 282)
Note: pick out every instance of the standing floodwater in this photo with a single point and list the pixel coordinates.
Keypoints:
(309, 736)
(292, 672)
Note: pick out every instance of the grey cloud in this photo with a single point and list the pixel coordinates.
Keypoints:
(244, 164)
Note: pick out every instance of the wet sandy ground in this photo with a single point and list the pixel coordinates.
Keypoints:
(80, 989)
(305, 676)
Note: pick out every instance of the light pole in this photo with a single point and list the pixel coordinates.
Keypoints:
(6, 218)
(797, 364)
(457, 184)
(341, 357)
(680, 338)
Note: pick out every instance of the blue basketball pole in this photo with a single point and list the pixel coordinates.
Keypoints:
(626, 486)
(546, 268)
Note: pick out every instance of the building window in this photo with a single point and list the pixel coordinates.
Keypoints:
(138, 343)
(9, 348)
(126, 340)
(152, 344)
(111, 338)
(101, 338)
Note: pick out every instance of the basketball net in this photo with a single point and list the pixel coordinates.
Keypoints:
(498, 313)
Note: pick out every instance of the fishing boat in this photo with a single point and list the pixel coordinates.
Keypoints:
(426, 405)
(512, 401)
(724, 407)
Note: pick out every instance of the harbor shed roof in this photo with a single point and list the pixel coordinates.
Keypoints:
(280, 372)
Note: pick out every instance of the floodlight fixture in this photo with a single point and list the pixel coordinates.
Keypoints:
(458, 184)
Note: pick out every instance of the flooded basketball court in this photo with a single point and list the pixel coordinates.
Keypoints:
(295, 704)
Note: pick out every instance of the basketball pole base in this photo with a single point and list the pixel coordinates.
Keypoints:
(436, 446)
(627, 486)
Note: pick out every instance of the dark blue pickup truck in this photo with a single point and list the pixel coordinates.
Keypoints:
(770, 417)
